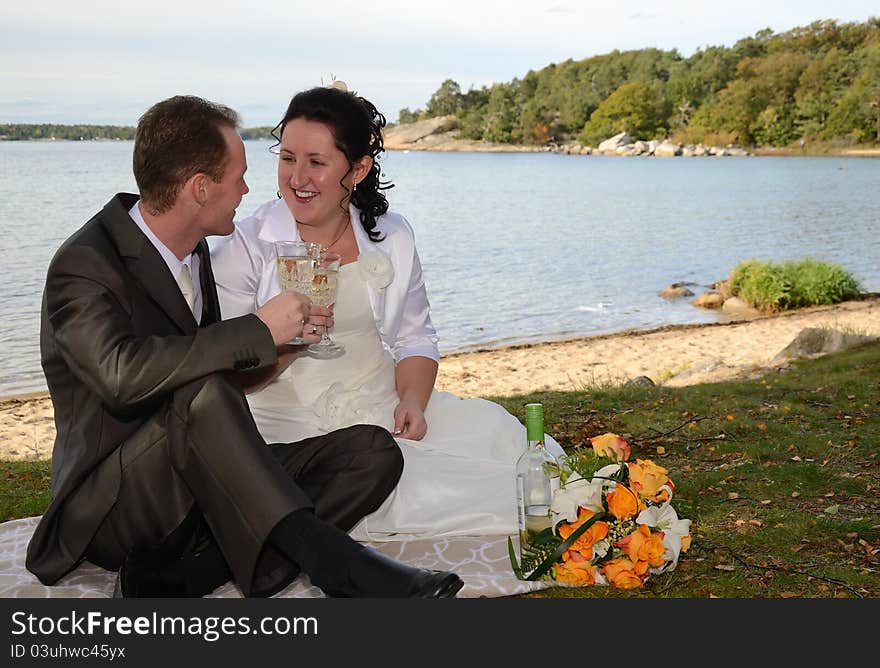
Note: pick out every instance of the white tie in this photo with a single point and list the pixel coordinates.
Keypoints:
(184, 280)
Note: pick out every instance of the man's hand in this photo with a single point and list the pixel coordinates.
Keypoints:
(409, 421)
(291, 314)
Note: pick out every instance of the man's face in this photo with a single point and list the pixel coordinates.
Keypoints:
(225, 196)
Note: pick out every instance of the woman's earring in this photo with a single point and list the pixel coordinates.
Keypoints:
(354, 187)
(278, 192)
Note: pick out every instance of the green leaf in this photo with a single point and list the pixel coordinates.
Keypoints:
(514, 564)
(545, 565)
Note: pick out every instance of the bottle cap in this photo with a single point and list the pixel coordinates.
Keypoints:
(535, 422)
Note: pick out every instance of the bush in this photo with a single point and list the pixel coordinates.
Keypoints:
(795, 284)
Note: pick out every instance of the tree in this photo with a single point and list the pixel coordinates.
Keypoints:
(635, 108)
(445, 100)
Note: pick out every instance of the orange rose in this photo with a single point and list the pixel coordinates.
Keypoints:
(643, 546)
(621, 573)
(575, 571)
(647, 478)
(584, 543)
(685, 542)
(611, 446)
(623, 503)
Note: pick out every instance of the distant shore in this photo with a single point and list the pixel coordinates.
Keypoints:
(671, 356)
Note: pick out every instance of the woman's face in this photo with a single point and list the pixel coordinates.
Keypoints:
(310, 169)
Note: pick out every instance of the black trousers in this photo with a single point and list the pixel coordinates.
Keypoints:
(198, 471)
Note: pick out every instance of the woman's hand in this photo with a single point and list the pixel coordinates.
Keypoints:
(409, 421)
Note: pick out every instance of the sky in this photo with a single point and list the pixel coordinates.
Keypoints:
(106, 61)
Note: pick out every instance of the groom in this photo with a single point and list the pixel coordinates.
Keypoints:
(158, 470)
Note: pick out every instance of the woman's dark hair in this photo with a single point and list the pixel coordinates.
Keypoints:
(356, 126)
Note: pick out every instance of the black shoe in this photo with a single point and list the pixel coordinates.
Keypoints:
(373, 575)
(143, 576)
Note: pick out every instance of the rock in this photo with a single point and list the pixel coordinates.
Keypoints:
(612, 143)
(818, 341)
(640, 381)
(675, 291)
(667, 150)
(409, 133)
(708, 300)
(736, 306)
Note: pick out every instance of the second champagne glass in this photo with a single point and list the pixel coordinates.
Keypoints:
(325, 283)
(296, 265)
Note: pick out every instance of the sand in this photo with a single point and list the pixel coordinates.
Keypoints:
(671, 356)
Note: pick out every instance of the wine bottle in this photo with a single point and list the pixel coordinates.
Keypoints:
(537, 477)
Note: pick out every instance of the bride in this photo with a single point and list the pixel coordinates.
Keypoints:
(459, 454)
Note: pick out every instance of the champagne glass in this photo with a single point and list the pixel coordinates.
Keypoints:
(296, 265)
(325, 282)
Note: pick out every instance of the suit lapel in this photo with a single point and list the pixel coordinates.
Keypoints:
(145, 263)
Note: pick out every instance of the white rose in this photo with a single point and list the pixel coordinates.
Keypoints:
(376, 269)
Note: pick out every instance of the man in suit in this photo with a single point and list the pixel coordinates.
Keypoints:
(158, 470)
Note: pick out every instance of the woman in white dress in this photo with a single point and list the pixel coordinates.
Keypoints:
(459, 454)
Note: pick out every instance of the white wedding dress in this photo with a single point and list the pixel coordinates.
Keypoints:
(458, 480)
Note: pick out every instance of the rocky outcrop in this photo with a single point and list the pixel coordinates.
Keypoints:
(816, 341)
(676, 291)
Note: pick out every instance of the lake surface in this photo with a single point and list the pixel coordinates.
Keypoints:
(515, 247)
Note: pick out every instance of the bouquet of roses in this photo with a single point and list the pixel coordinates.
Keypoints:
(613, 523)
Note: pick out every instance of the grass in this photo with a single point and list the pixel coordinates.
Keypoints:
(770, 286)
(780, 476)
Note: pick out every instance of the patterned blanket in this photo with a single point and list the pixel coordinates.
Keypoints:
(482, 563)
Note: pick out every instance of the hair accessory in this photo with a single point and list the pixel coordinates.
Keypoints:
(335, 83)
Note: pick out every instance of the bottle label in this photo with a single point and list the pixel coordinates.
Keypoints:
(520, 504)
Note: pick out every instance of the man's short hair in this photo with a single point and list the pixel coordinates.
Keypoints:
(175, 140)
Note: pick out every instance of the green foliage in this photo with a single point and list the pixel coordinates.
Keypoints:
(407, 116)
(445, 100)
(816, 81)
(46, 131)
(635, 107)
(795, 284)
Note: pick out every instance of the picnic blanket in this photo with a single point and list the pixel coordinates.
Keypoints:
(481, 561)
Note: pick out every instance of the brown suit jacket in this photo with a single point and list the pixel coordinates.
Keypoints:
(117, 339)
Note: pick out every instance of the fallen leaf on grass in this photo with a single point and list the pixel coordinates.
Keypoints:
(795, 495)
(788, 594)
(725, 567)
(732, 495)
(756, 523)
(832, 510)
(766, 502)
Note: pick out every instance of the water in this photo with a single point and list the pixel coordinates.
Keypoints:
(515, 247)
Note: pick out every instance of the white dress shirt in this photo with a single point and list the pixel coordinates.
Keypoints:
(174, 264)
(246, 273)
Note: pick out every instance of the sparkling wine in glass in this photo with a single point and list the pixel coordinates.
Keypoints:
(325, 284)
(296, 265)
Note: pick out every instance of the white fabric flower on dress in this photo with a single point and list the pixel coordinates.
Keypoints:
(376, 269)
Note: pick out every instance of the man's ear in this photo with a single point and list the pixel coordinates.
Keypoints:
(196, 189)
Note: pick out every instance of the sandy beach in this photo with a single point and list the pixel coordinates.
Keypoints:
(671, 356)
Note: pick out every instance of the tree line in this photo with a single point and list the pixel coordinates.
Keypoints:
(815, 83)
(48, 131)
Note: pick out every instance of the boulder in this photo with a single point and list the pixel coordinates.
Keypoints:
(676, 291)
(612, 143)
(402, 136)
(640, 381)
(708, 300)
(667, 150)
(736, 306)
(817, 341)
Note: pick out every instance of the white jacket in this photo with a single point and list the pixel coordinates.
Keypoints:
(246, 273)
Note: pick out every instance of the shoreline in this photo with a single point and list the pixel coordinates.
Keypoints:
(671, 356)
